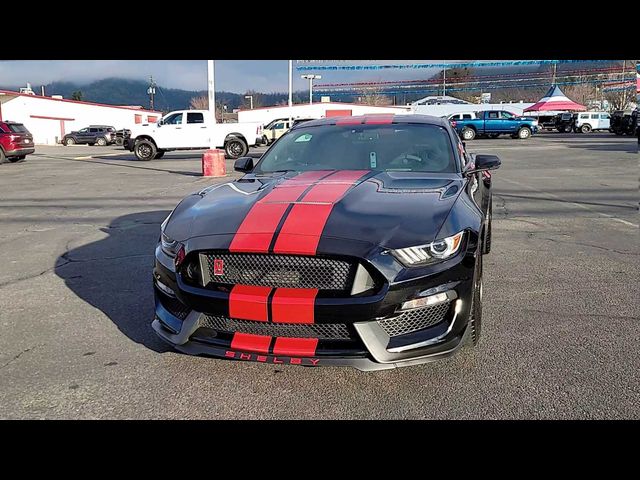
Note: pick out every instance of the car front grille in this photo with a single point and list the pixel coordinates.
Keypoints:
(278, 271)
(326, 331)
(414, 320)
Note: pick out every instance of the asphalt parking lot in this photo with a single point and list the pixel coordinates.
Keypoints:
(78, 227)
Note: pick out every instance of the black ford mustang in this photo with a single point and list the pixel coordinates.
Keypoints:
(353, 241)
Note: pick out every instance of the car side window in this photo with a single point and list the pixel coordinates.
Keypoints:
(84, 130)
(493, 115)
(584, 116)
(466, 116)
(195, 117)
(278, 126)
(595, 115)
(455, 117)
(93, 130)
(605, 116)
(175, 119)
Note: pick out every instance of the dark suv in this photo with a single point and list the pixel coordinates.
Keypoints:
(565, 122)
(624, 122)
(16, 142)
(91, 135)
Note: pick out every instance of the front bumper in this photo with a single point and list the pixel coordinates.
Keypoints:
(374, 342)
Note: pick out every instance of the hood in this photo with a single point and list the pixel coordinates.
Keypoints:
(388, 209)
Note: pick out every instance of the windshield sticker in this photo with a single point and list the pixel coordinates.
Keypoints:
(373, 162)
(304, 138)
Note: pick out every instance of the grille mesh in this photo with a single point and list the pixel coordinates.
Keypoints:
(414, 320)
(175, 307)
(282, 271)
(333, 331)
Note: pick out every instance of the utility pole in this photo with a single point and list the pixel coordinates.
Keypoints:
(553, 78)
(151, 91)
(624, 90)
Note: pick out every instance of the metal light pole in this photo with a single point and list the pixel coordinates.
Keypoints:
(211, 89)
(311, 78)
(250, 97)
(444, 81)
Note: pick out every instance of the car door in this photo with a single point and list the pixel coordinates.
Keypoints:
(82, 135)
(605, 121)
(195, 131)
(275, 131)
(509, 122)
(170, 132)
(493, 122)
(92, 136)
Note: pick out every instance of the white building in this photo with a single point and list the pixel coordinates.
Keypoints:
(441, 106)
(315, 110)
(49, 119)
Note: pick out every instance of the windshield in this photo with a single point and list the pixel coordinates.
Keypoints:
(400, 147)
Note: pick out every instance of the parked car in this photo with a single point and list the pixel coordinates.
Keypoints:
(565, 122)
(275, 130)
(192, 130)
(624, 122)
(91, 135)
(121, 136)
(494, 123)
(16, 142)
(352, 241)
(592, 121)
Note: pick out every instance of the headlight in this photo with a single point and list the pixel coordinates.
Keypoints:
(431, 253)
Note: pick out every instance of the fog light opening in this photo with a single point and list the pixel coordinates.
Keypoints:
(426, 301)
(165, 289)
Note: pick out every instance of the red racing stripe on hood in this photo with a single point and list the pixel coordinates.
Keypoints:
(256, 230)
(301, 231)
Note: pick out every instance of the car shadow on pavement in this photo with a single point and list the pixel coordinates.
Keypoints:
(114, 274)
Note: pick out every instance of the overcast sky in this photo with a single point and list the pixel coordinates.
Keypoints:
(231, 75)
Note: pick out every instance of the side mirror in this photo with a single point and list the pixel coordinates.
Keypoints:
(243, 164)
(484, 162)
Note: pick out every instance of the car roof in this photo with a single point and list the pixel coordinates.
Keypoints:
(397, 119)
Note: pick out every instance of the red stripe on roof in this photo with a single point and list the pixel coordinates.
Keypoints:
(379, 118)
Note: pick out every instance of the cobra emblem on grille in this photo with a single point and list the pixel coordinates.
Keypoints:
(218, 266)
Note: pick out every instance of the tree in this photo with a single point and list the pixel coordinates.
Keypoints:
(77, 95)
(620, 99)
(199, 103)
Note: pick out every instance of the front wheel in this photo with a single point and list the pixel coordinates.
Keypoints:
(524, 133)
(586, 128)
(468, 133)
(101, 141)
(236, 148)
(3, 157)
(69, 141)
(145, 150)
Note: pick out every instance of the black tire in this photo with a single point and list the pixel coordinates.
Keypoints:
(145, 150)
(3, 158)
(487, 235)
(468, 134)
(475, 321)
(102, 142)
(494, 135)
(160, 154)
(618, 132)
(236, 148)
(18, 159)
(524, 133)
(69, 141)
(586, 128)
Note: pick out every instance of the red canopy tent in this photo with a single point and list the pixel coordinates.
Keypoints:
(554, 100)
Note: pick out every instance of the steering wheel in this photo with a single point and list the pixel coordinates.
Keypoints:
(406, 160)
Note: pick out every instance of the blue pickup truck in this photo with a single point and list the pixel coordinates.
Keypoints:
(493, 123)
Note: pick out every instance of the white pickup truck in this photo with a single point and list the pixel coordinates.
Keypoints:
(190, 130)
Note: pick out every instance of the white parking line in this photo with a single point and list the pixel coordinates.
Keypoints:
(101, 155)
(585, 207)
